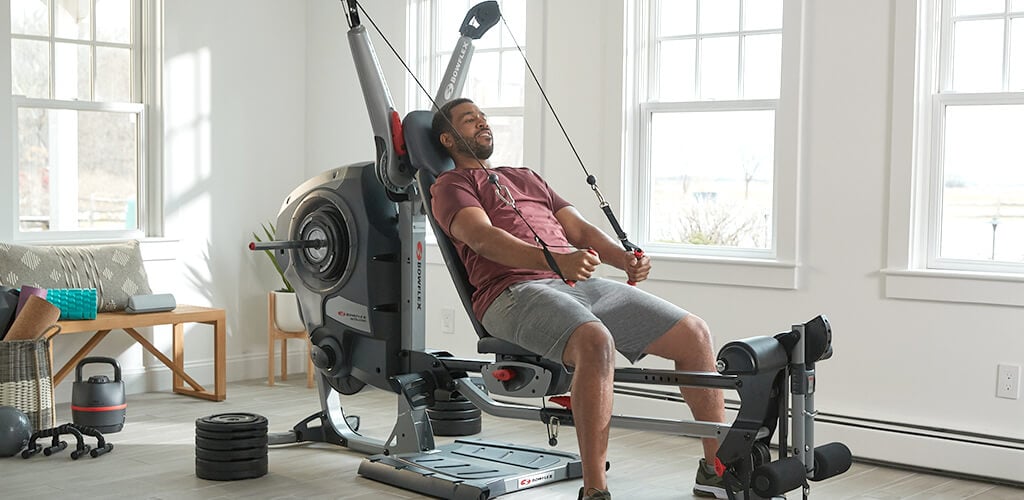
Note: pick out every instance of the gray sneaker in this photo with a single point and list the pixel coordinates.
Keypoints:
(708, 485)
(595, 494)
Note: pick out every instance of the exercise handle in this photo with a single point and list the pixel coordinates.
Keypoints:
(283, 245)
(638, 254)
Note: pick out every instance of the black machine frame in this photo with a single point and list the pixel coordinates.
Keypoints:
(352, 240)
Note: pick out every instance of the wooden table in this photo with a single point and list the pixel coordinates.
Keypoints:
(107, 321)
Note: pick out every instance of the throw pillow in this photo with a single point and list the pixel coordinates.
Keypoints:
(115, 270)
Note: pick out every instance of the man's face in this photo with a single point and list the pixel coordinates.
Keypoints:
(471, 123)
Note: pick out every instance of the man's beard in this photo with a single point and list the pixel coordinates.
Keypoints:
(473, 148)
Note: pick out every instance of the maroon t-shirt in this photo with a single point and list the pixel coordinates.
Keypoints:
(462, 188)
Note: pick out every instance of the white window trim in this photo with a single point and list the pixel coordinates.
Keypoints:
(779, 267)
(150, 141)
(907, 275)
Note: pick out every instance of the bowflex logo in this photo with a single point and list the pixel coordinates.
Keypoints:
(534, 480)
(419, 250)
(449, 89)
(351, 316)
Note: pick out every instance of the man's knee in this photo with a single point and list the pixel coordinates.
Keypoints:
(695, 329)
(687, 338)
(590, 343)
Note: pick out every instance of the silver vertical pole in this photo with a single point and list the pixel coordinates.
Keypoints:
(412, 227)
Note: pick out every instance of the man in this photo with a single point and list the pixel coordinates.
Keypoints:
(496, 217)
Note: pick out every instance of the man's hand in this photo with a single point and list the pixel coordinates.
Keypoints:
(578, 265)
(637, 269)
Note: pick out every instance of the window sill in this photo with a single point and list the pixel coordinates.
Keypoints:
(152, 249)
(954, 286)
(759, 273)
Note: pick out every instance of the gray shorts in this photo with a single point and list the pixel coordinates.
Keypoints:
(540, 315)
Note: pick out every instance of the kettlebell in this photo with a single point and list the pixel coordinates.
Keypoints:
(98, 402)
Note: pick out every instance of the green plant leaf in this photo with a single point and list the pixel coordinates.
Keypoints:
(269, 230)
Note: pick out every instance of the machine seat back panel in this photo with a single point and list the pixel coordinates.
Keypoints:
(429, 157)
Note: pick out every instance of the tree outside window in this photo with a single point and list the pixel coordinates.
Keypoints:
(77, 82)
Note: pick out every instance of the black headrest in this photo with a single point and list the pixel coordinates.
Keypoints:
(425, 152)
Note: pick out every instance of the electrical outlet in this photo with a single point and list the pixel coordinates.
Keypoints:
(447, 320)
(1008, 381)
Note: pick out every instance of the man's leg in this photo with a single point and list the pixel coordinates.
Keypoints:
(591, 351)
(689, 344)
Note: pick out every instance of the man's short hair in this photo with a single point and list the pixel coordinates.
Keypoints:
(443, 118)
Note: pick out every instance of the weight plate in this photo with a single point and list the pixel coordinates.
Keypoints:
(230, 471)
(456, 427)
(231, 455)
(453, 414)
(232, 422)
(230, 444)
(230, 434)
(464, 404)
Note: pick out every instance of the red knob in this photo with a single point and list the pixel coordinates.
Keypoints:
(503, 374)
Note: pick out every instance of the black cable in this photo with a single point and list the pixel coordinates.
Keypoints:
(591, 180)
(492, 177)
(545, 95)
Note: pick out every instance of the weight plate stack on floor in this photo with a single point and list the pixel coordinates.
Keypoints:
(456, 417)
(231, 446)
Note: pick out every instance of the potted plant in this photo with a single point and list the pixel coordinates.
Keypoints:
(285, 306)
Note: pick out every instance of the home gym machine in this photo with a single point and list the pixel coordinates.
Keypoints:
(352, 241)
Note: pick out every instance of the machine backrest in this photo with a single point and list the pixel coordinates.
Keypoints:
(430, 159)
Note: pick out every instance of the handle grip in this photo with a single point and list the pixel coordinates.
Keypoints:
(638, 254)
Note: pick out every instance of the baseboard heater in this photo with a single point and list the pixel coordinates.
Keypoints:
(902, 428)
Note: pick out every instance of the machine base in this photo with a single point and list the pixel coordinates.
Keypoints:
(473, 469)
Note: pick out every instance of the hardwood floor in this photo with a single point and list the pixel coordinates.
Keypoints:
(153, 458)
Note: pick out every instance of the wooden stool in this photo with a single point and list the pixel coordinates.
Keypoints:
(274, 334)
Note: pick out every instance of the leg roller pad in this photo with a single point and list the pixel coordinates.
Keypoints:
(831, 460)
(776, 478)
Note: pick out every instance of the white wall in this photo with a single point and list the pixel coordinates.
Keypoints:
(283, 104)
(234, 85)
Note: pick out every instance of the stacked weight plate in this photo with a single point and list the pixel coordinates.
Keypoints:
(455, 417)
(231, 446)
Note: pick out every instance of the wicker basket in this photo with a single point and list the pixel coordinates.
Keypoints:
(26, 379)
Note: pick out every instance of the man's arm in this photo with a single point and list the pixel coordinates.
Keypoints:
(583, 234)
(472, 226)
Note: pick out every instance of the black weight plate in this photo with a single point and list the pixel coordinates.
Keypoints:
(231, 455)
(232, 422)
(453, 414)
(230, 471)
(456, 427)
(452, 405)
(230, 444)
(230, 435)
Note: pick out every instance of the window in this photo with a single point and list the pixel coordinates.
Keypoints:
(707, 126)
(80, 103)
(957, 184)
(496, 74)
(975, 107)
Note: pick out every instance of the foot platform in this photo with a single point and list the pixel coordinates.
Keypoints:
(473, 469)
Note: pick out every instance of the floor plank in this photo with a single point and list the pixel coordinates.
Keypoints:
(154, 458)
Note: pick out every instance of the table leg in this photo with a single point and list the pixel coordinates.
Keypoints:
(70, 365)
(178, 346)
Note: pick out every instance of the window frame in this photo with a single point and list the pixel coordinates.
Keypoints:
(776, 267)
(913, 269)
(423, 46)
(146, 88)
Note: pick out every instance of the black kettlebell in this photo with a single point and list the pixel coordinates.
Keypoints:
(98, 402)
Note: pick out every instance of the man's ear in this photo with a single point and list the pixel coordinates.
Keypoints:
(447, 140)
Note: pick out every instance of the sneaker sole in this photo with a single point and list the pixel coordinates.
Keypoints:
(709, 492)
